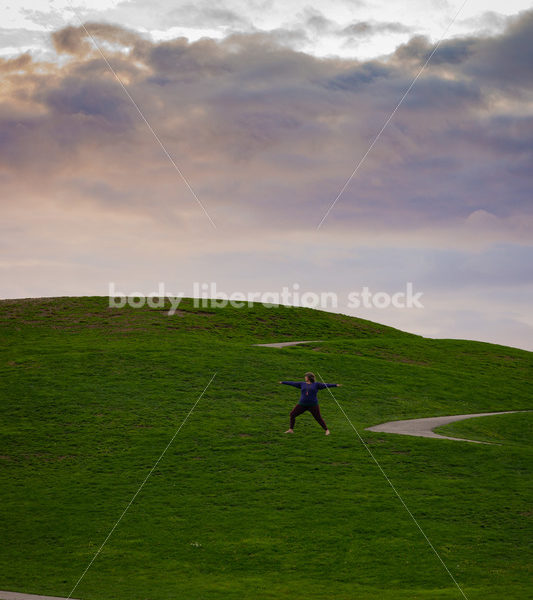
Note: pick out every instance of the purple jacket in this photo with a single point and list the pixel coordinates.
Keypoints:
(309, 391)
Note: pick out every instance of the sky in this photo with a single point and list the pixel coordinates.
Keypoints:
(181, 143)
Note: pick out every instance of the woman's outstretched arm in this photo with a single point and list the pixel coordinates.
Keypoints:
(297, 384)
(321, 386)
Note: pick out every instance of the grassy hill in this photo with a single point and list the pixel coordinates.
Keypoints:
(92, 395)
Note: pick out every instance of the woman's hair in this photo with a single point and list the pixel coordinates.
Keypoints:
(310, 376)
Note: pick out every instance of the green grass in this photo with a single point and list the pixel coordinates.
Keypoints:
(91, 396)
(514, 429)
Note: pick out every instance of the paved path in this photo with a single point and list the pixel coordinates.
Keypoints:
(18, 596)
(283, 344)
(424, 427)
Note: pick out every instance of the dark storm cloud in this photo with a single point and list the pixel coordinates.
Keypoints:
(506, 60)
(102, 100)
(451, 52)
(357, 78)
(434, 93)
(502, 61)
(177, 59)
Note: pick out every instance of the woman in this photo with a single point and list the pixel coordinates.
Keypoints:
(308, 399)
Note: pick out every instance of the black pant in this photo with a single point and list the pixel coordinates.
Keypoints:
(312, 408)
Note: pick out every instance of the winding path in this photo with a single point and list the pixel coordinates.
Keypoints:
(424, 427)
(283, 344)
(19, 596)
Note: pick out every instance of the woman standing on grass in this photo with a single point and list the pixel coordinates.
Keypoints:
(308, 400)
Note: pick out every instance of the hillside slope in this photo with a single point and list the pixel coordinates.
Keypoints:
(92, 397)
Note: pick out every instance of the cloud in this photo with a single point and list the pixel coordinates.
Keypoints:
(449, 52)
(204, 15)
(365, 29)
(267, 136)
(315, 21)
(503, 61)
(77, 40)
(18, 37)
(487, 22)
(298, 123)
(506, 60)
(21, 62)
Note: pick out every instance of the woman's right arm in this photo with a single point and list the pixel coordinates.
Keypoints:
(293, 383)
